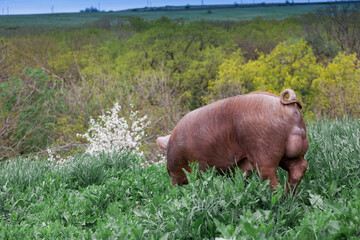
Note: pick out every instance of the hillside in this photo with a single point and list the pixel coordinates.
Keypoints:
(187, 13)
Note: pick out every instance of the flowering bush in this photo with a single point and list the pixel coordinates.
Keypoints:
(113, 133)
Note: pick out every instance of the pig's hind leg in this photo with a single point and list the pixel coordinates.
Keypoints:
(267, 166)
(296, 169)
(269, 173)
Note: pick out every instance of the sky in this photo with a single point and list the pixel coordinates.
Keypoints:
(58, 6)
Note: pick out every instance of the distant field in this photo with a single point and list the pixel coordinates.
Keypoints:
(78, 19)
(58, 20)
(273, 12)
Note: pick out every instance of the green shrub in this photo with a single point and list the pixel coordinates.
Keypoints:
(29, 107)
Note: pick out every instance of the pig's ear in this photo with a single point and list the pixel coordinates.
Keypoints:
(163, 142)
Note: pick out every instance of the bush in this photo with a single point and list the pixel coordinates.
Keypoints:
(330, 90)
(29, 107)
(290, 65)
(338, 87)
(261, 35)
(113, 134)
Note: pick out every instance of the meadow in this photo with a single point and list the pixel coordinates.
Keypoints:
(229, 14)
(74, 85)
(112, 197)
(78, 19)
(13, 25)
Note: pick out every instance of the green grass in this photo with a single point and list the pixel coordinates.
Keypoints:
(61, 20)
(112, 197)
(56, 20)
(231, 14)
(19, 25)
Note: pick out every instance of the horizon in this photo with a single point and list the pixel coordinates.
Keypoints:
(23, 7)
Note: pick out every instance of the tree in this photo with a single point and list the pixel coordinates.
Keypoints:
(90, 10)
(334, 29)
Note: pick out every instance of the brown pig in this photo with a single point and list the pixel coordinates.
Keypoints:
(254, 131)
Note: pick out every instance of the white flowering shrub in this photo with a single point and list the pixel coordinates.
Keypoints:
(111, 133)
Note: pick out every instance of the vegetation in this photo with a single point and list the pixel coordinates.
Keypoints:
(77, 19)
(109, 196)
(331, 90)
(65, 175)
(90, 10)
(52, 83)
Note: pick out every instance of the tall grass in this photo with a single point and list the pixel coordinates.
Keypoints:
(334, 157)
(111, 197)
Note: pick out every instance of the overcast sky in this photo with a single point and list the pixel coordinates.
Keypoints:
(46, 6)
